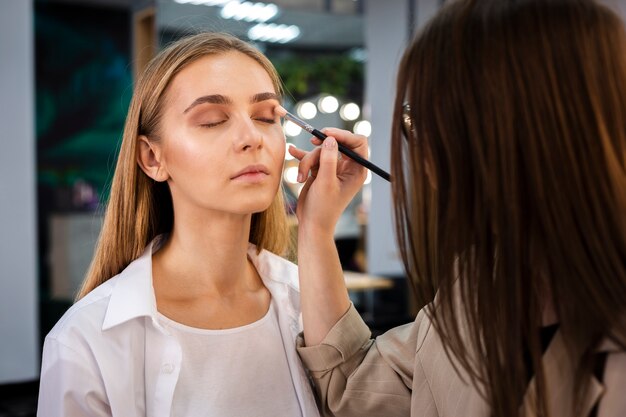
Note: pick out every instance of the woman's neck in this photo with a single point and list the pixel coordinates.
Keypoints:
(202, 276)
(205, 257)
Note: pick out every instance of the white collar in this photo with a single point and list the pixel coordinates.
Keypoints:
(133, 293)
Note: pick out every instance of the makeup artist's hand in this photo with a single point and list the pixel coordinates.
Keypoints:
(333, 181)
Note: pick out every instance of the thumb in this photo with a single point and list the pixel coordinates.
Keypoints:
(328, 159)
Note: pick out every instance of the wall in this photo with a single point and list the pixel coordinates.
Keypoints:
(387, 32)
(19, 347)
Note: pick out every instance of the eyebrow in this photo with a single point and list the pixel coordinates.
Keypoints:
(213, 99)
(220, 99)
(257, 98)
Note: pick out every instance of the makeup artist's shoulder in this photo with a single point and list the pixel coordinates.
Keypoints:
(273, 267)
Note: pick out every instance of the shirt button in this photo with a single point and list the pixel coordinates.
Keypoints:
(167, 368)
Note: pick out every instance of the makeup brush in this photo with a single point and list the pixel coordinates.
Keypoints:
(321, 136)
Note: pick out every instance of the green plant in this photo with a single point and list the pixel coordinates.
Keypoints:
(304, 76)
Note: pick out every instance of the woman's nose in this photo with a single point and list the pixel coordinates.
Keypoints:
(247, 136)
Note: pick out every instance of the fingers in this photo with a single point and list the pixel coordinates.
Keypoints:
(308, 162)
(328, 160)
(357, 143)
(346, 137)
(296, 152)
(320, 160)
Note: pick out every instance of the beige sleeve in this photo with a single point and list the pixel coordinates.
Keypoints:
(357, 376)
(613, 400)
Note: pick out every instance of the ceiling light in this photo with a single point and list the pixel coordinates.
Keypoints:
(291, 175)
(242, 10)
(269, 10)
(204, 2)
(328, 104)
(255, 12)
(292, 129)
(363, 127)
(350, 111)
(288, 156)
(273, 33)
(307, 110)
(248, 11)
(368, 178)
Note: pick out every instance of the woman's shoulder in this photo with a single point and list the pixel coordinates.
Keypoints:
(84, 319)
(119, 299)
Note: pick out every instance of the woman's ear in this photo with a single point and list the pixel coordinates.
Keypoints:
(149, 158)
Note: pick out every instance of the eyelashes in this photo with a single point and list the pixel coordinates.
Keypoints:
(265, 120)
(209, 125)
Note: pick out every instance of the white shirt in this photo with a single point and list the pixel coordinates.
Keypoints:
(252, 359)
(110, 356)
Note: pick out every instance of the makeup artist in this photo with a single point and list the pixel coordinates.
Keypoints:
(509, 182)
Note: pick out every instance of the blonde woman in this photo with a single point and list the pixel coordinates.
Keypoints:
(187, 310)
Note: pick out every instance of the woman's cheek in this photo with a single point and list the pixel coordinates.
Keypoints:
(189, 153)
(279, 149)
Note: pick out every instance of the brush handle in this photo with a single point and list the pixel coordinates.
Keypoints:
(354, 156)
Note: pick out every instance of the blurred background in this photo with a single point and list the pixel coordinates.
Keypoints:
(66, 76)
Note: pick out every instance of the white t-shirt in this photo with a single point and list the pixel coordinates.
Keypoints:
(110, 356)
(238, 372)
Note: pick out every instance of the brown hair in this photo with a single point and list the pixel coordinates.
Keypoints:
(139, 209)
(511, 188)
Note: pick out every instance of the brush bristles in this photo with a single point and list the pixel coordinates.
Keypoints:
(280, 110)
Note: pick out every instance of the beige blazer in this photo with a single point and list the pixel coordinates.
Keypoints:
(405, 372)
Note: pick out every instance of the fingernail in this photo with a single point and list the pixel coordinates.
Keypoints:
(330, 142)
(300, 176)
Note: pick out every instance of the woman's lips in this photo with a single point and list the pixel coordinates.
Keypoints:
(252, 173)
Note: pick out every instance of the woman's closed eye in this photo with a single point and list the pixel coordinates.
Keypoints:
(212, 124)
(268, 120)
(264, 115)
(209, 117)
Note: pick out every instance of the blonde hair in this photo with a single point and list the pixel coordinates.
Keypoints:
(139, 208)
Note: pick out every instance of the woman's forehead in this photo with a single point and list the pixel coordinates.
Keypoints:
(231, 74)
